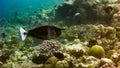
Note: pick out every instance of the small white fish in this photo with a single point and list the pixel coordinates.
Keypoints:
(76, 14)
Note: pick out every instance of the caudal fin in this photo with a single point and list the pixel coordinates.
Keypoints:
(22, 34)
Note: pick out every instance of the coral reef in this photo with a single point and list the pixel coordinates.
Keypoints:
(82, 47)
(93, 43)
(80, 11)
(87, 44)
(79, 52)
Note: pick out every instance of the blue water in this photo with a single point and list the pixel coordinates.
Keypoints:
(9, 7)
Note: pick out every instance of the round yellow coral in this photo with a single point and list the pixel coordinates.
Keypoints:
(50, 63)
(97, 51)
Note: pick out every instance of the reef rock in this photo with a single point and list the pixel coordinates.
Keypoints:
(77, 49)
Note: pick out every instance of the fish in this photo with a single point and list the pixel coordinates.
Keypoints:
(111, 7)
(76, 14)
(108, 9)
(43, 32)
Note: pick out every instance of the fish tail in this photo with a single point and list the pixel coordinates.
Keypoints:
(23, 34)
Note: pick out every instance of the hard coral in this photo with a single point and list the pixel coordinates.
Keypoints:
(45, 50)
(108, 65)
(48, 47)
(50, 63)
(97, 51)
(116, 57)
(86, 62)
(62, 64)
(76, 50)
(103, 61)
